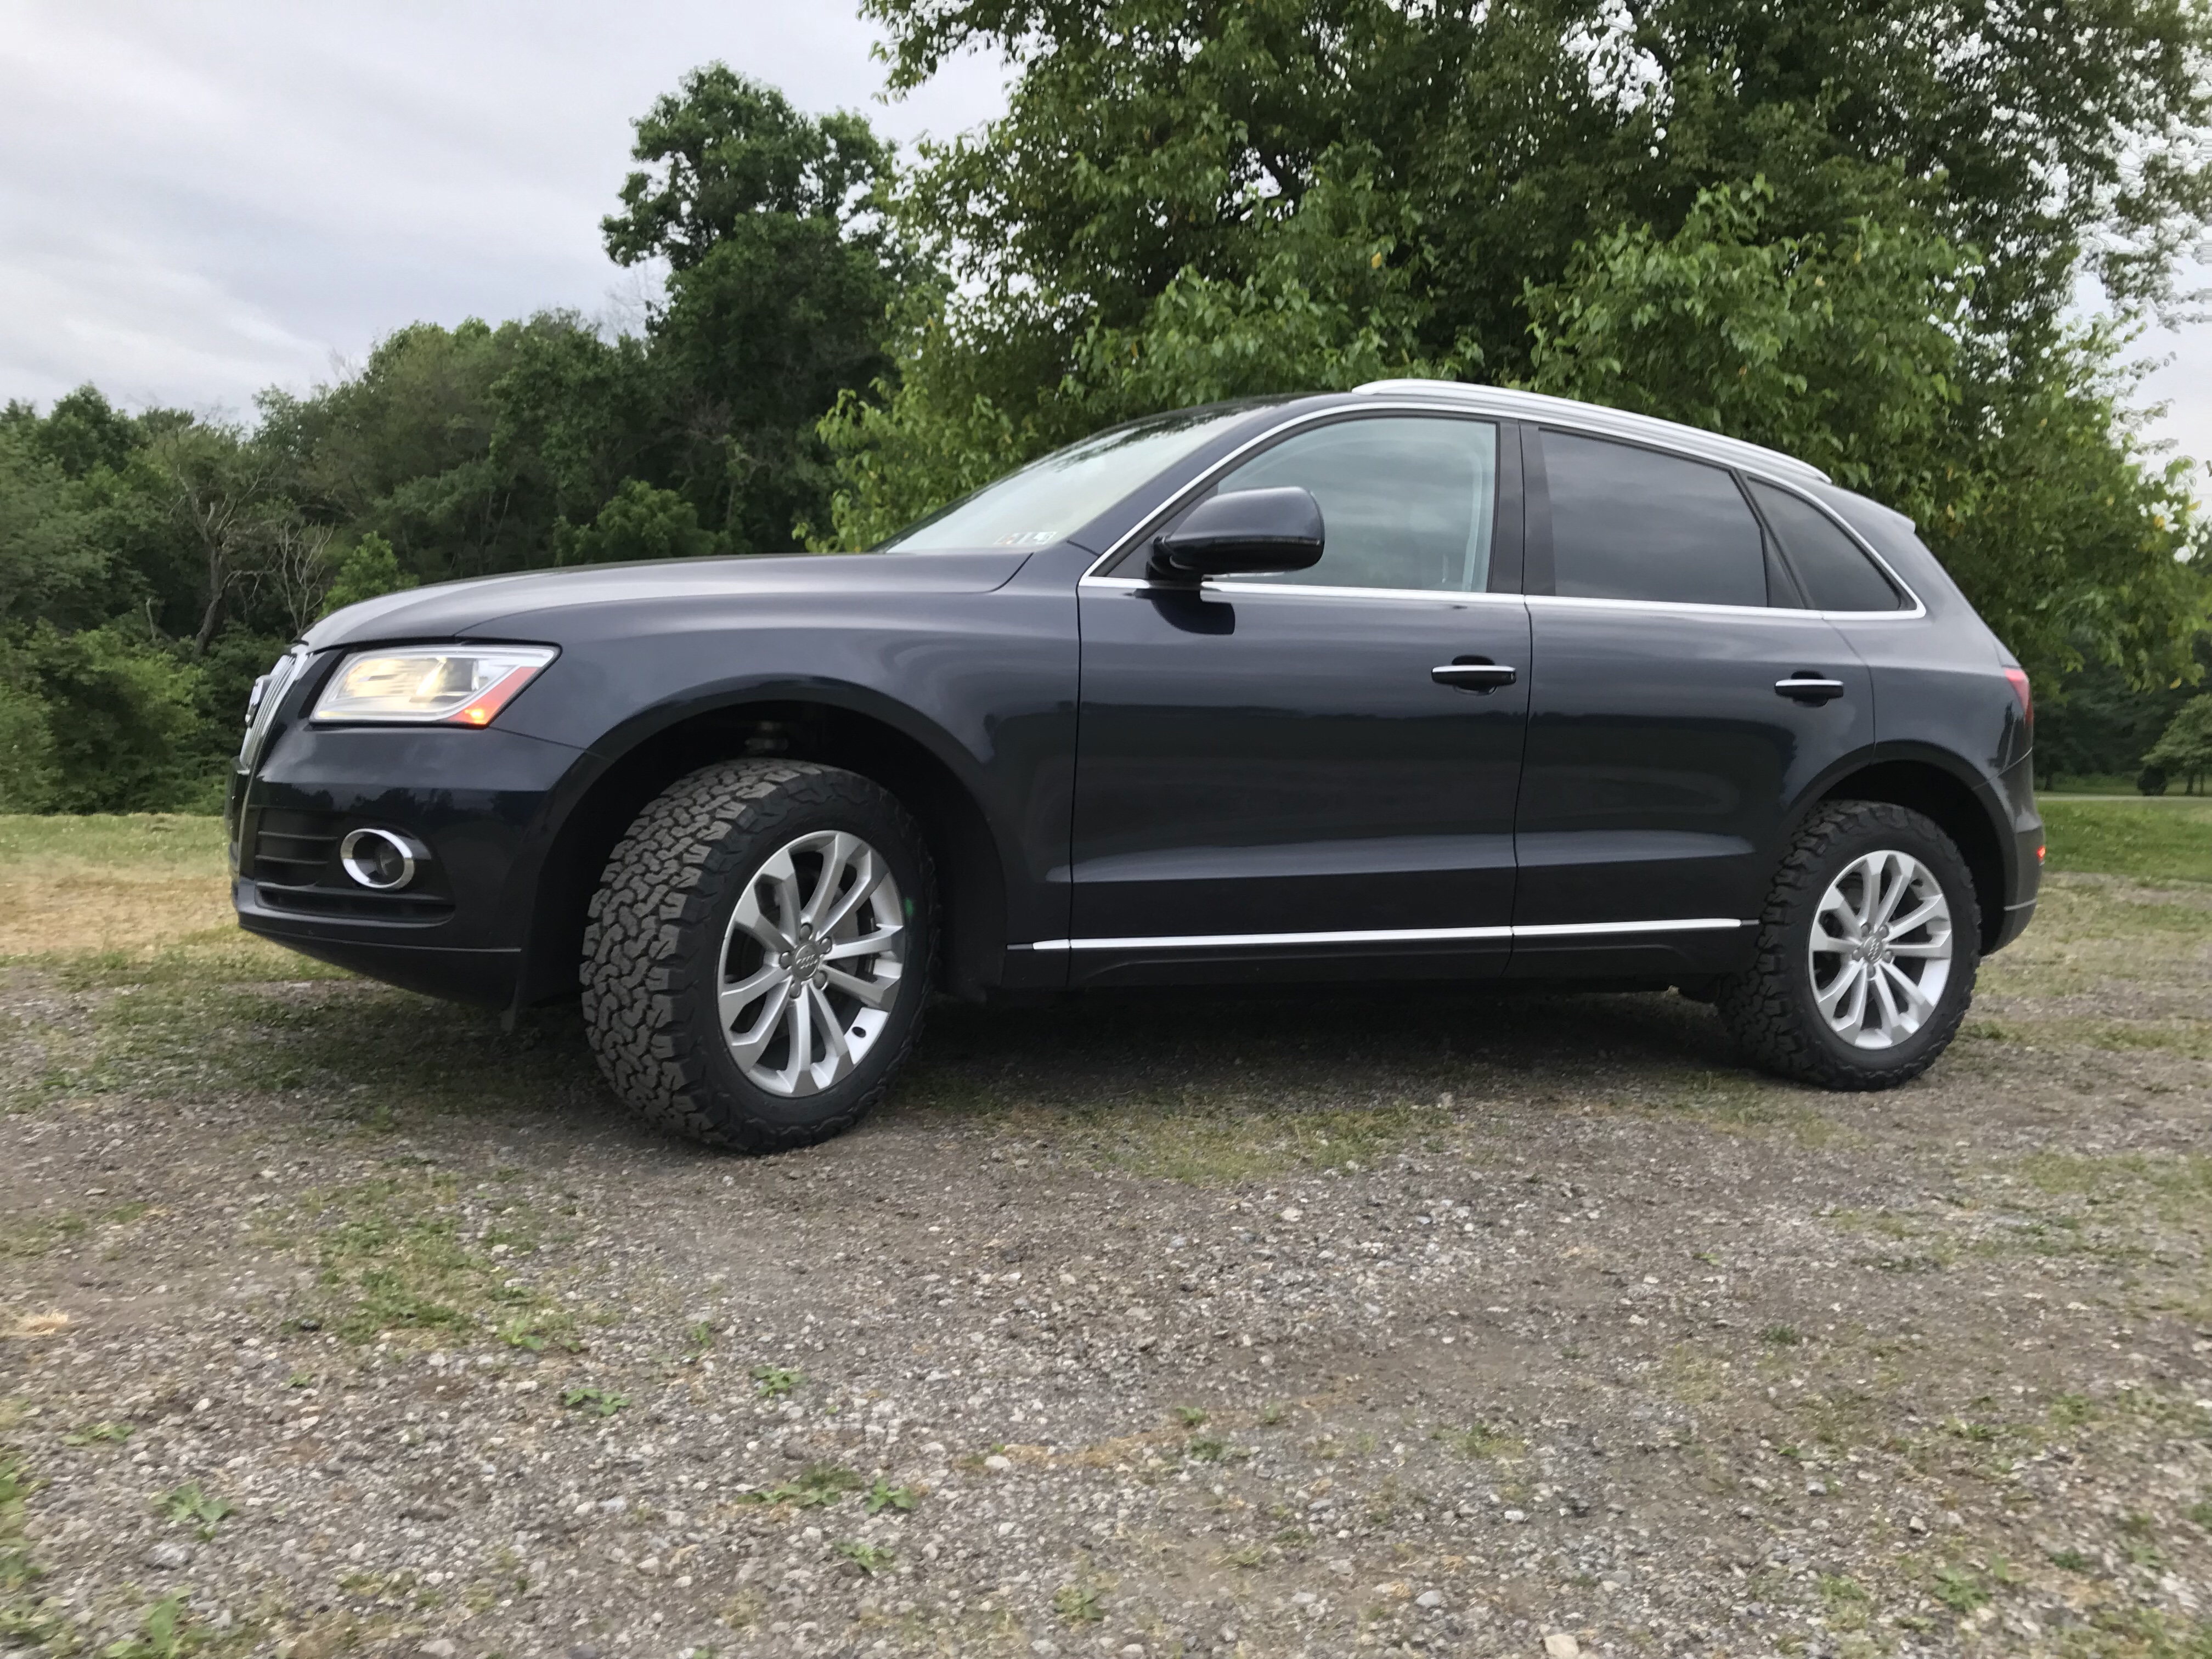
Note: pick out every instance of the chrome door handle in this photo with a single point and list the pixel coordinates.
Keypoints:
(1809, 688)
(1474, 676)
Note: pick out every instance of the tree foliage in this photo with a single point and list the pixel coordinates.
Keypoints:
(151, 565)
(1856, 232)
(1853, 231)
(2184, 748)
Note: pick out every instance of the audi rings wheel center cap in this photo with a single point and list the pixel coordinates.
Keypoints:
(805, 961)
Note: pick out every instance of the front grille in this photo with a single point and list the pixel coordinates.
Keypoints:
(295, 866)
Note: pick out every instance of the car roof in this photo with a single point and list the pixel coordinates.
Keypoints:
(1513, 404)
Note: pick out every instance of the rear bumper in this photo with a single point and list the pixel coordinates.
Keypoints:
(2025, 879)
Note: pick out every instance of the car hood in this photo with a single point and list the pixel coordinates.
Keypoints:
(500, 607)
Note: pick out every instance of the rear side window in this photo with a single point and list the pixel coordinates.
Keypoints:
(1835, 574)
(1633, 524)
(1406, 501)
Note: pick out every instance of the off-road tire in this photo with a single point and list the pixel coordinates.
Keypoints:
(652, 949)
(1769, 1008)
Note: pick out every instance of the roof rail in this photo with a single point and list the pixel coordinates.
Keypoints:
(1539, 406)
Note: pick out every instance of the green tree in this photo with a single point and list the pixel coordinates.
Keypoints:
(640, 522)
(1849, 349)
(122, 720)
(1549, 192)
(782, 269)
(26, 745)
(51, 563)
(2185, 749)
(368, 570)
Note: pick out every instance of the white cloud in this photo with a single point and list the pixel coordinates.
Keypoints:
(198, 200)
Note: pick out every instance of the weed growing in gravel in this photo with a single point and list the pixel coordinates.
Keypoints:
(818, 1485)
(109, 1433)
(29, 1240)
(871, 1558)
(165, 1632)
(1780, 1336)
(776, 1381)
(884, 1496)
(190, 1503)
(1079, 1603)
(1190, 1416)
(599, 1402)
(1480, 1440)
(18, 1572)
(1958, 1589)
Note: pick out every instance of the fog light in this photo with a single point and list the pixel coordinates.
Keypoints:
(379, 859)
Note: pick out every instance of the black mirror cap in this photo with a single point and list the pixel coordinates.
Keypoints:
(1246, 532)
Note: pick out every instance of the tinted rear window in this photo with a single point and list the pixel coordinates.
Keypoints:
(1834, 573)
(1633, 524)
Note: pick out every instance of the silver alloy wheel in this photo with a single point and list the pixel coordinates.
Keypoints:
(1881, 952)
(811, 962)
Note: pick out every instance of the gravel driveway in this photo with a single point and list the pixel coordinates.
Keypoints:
(338, 1321)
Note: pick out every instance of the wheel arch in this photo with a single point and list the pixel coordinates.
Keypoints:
(1941, 787)
(787, 725)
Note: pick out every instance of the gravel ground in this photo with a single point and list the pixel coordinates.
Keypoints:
(338, 1321)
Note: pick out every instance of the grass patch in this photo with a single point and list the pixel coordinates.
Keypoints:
(2162, 840)
(386, 1056)
(2175, 1188)
(122, 890)
(2089, 932)
(408, 1252)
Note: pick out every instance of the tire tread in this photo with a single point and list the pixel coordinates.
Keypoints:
(1760, 1005)
(646, 931)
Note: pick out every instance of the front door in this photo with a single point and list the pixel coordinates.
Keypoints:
(1272, 773)
(1665, 745)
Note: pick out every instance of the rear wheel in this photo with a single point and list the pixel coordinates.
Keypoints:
(1867, 952)
(758, 953)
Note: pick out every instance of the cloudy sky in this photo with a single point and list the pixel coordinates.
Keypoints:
(199, 200)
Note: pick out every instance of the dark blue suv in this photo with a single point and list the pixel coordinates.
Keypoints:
(1417, 681)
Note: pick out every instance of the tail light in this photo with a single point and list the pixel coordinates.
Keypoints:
(2019, 689)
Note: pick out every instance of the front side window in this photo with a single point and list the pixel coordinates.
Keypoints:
(1408, 502)
(1051, 498)
(1629, 523)
(1834, 573)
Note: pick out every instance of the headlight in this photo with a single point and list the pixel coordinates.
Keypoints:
(431, 685)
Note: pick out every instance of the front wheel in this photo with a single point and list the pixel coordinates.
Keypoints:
(758, 953)
(1867, 952)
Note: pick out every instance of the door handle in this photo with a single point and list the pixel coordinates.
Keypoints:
(1474, 676)
(1809, 688)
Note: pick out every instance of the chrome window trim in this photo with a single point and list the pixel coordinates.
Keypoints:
(1296, 590)
(1389, 935)
(1684, 607)
(1312, 417)
(1540, 408)
(1474, 408)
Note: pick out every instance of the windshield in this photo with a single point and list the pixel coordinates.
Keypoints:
(1049, 498)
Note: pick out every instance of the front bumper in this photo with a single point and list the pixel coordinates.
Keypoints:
(477, 800)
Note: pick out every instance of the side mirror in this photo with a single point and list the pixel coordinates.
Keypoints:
(1243, 533)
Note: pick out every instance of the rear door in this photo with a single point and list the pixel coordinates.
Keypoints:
(1665, 742)
(1271, 773)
